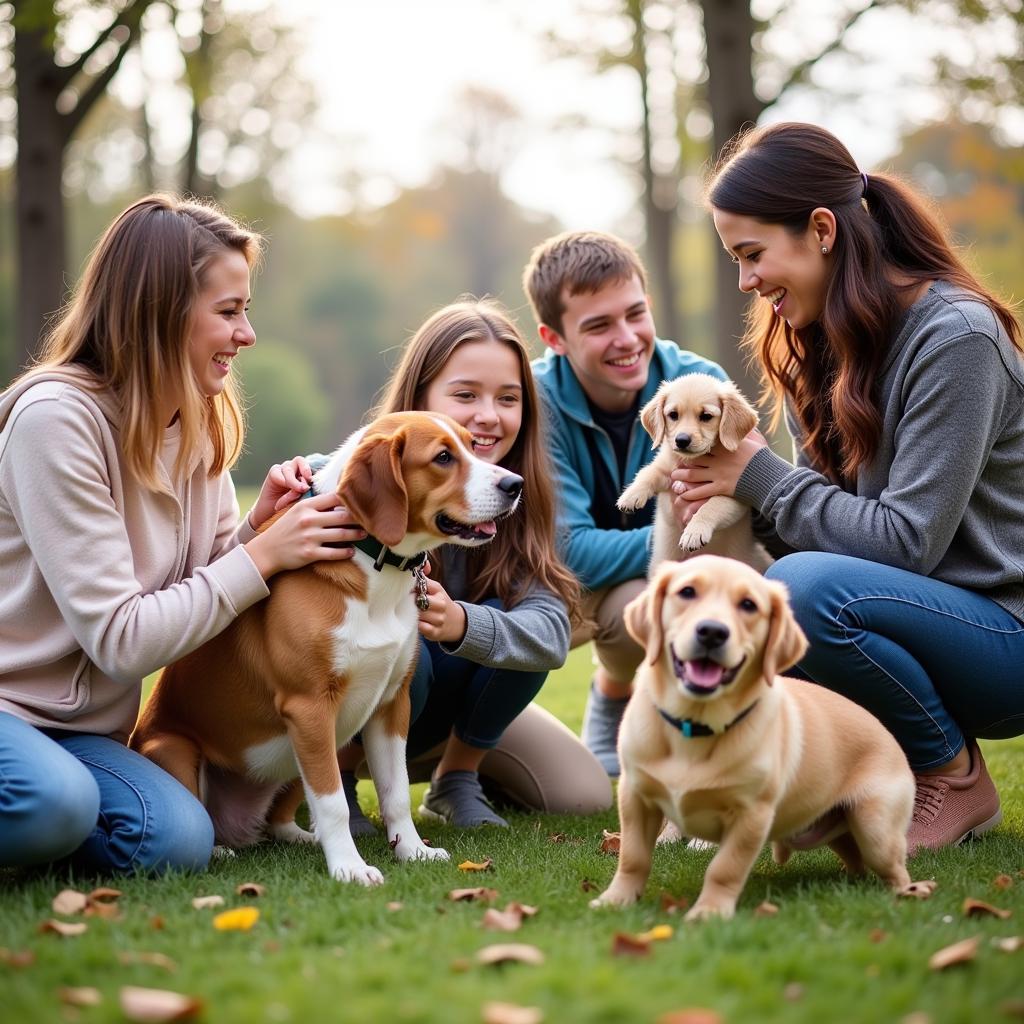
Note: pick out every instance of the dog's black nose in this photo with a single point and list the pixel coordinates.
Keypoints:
(511, 485)
(683, 441)
(712, 634)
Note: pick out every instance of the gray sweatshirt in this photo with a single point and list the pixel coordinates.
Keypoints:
(532, 637)
(944, 494)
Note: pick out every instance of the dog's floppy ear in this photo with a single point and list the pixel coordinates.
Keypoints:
(373, 489)
(786, 643)
(643, 614)
(652, 415)
(738, 417)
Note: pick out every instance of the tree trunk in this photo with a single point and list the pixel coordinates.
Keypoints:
(39, 168)
(659, 198)
(728, 30)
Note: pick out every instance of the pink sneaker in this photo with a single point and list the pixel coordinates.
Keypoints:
(949, 810)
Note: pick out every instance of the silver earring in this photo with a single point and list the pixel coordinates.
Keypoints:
(824, 250)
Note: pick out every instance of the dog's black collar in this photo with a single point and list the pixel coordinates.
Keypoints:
(380, 553)
(689, 727)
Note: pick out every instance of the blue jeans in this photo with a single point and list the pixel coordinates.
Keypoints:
(478, 703)
(92, 800)
(934, 662)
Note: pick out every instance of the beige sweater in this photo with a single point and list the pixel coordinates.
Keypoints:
(101, 580)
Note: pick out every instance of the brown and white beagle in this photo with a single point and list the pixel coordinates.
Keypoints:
(329, 653)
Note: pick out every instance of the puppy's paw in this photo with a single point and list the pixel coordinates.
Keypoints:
(918, 890)
(706, 910)
(670, 833)
(425, 852)
(289, 832)
(633, 497)
(615, 896)
(695, 536)
(361, 872)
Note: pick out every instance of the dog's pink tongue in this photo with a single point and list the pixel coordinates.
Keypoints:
(704, 673)
(489, 528)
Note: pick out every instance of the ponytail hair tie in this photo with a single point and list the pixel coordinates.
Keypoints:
(864, 178)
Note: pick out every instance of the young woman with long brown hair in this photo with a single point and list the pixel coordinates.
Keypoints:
(120, 535)
(902, 380)
(499, 615)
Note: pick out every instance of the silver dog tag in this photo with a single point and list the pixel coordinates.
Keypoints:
(422, 601)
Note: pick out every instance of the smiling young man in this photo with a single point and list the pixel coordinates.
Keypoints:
(604, 361)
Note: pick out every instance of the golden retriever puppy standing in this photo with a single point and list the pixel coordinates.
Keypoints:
(729, 751)
(685, 418)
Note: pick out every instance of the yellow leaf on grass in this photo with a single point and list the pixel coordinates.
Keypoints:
(241, 919)
(658, 933)
(471, 865)
(154, 1005)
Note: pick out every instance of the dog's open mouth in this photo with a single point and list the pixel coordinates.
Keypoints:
(702, 675)
(481, 532)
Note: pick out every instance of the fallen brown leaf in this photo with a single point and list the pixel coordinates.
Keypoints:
(588, 886)
(105, 895)
(510, 1013)
(110, 911)
(624, 944)
(917, 1017)
(765, 909)
(160, 960)
(66, 929)
(919, 890)
(510, 952)
(793, 992)
(17, 957)
(877, 935)
(1010, 944)
(671, 905)
(959, 953)
(1002, 881)
(1012, 1008)
(555, 837)
(84, 996)
(251, 889)
(523, 909)
(610, 842)
(693, 1015)
(156, 922)
(476, 893)
(153, 1005)
(394, 906)
(68, 901)
(471, 865)
(507, 920)
(978, 908)
(207, 902)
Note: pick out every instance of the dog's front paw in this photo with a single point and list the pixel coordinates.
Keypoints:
(425, 852)
(706, 910)
(633, 497)
(695, 537)
(223, 853)
(616, 896)
(361, 872)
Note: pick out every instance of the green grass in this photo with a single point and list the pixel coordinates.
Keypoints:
(837, 951)
(326, 951)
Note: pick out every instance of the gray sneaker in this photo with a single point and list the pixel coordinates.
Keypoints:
(601, 719)
(358, 823)
(457, 798)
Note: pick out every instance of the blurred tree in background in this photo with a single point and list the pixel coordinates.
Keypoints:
(212, 97)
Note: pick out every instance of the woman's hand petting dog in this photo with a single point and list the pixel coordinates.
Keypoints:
(718, 472)
(286, 482)
(300, 535)
(445, 619)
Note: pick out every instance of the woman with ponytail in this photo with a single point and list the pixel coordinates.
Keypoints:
(898, 531)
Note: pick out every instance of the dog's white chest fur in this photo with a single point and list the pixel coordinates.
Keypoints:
(371, 649)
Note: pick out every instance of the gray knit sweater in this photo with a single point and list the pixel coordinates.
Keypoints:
(944, 494)
(532, 637)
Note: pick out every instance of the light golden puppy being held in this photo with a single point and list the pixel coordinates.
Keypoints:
(716, 741)
(686, 418)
